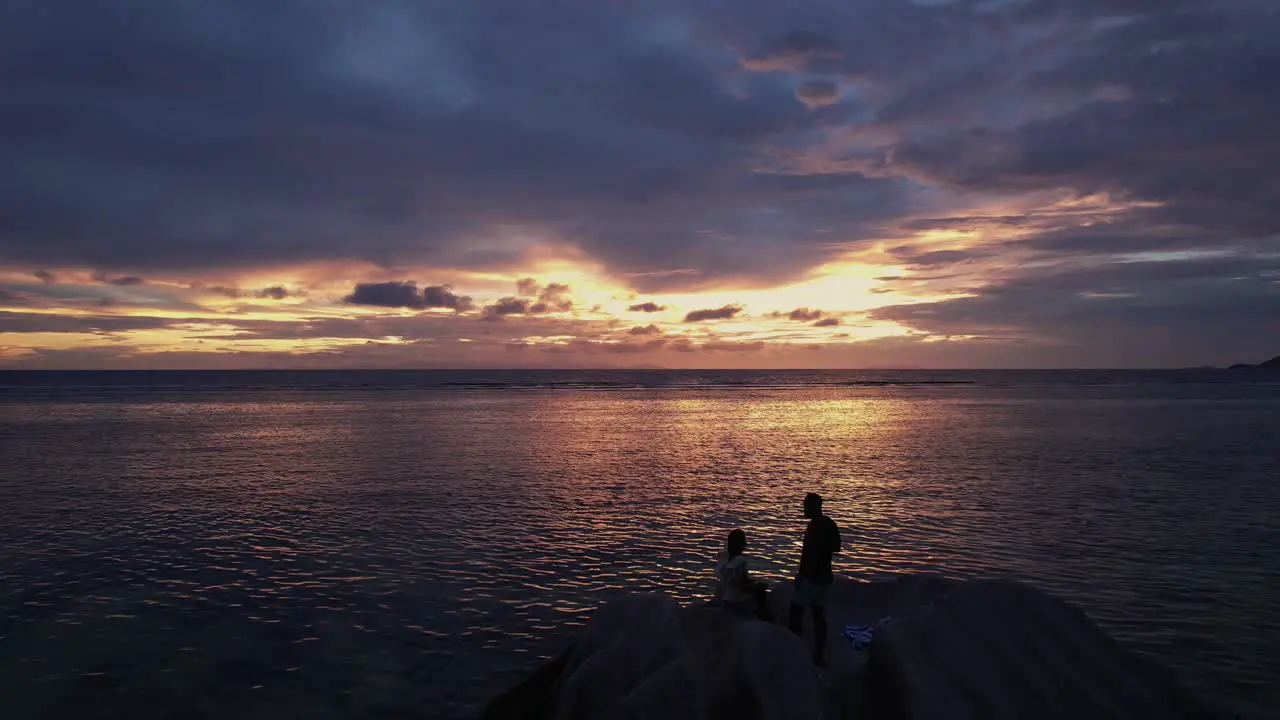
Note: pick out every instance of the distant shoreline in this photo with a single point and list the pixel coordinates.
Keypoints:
(1272, 364)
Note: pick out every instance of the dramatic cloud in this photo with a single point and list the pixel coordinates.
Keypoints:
(721, 313)
(442, 296)
(827, 322)
(1126, 313)
(388, 294)
(797, 51)
(647, 307)
(403, 294)
(645, 330)
(1036, 176)
(448, 125)
(274, 292)
(506, 306)
(817, 93)
(527, 287)
(553, 298)
(804, 314)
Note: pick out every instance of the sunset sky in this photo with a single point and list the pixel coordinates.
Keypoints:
(607, 183)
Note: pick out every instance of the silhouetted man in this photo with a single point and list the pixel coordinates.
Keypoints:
(813, 580)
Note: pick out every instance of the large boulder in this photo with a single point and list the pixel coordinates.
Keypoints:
(642, 656)
(842, 687)
(627, 643)
(954, 649)
(1000, 649)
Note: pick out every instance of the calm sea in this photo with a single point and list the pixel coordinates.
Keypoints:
(403, 544)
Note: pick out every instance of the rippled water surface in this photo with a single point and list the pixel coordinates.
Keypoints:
(265, 545)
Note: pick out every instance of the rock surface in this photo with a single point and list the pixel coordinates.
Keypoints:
(643, 656)
(999, 649)
(955, 649)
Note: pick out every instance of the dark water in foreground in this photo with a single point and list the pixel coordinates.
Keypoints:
(267, 545)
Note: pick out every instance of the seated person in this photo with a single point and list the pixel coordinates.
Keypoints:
(737, 591)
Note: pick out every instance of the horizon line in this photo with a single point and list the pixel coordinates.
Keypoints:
(632, 369)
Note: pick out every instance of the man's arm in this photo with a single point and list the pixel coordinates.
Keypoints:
(834, 539)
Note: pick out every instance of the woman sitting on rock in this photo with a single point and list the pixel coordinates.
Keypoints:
(736, 591)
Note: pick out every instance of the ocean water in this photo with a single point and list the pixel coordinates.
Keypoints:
(373, 544)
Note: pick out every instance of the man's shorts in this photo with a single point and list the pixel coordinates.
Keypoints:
(807, 593)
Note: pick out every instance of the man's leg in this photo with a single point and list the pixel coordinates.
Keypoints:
(819, 634)
(799, 599)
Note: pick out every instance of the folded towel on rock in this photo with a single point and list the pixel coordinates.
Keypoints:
(860, 636)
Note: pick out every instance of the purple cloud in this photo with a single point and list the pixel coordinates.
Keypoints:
(721, 313)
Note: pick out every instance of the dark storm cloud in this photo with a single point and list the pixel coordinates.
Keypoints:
(647, 307)
(388, 294)
(721, 313)
(442, 296)
(553, 298)
(405, 294)
(506, 306)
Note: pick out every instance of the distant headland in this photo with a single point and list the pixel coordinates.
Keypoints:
(1272, 364)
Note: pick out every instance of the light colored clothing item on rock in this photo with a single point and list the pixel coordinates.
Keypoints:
(860, 636)
(732, 573)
